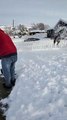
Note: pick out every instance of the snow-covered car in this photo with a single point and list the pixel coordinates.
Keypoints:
(31, 39)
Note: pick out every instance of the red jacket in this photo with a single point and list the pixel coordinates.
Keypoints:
(7, 47)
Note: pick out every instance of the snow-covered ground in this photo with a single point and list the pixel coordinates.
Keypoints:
(40, 92)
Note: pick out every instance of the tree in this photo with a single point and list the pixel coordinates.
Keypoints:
(40, 26)
(22, 28)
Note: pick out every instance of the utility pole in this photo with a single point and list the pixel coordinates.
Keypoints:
(13, 27)
(13, 23)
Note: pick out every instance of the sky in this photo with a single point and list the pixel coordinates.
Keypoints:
(32, 11)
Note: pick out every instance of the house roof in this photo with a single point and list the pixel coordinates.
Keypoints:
(61, 22)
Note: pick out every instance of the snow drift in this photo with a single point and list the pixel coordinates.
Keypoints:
(40, 92)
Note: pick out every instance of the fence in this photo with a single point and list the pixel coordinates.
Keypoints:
(42, 45)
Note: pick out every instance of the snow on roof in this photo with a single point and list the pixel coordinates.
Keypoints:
(60, 21)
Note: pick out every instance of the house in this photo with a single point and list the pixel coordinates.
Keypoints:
(60, 23)
(33, 32)
(60, 28)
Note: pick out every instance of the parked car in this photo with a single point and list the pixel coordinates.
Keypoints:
(31, 39)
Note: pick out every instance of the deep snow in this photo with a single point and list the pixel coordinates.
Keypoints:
(40, 92)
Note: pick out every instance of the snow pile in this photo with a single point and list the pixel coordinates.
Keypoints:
(42, 44)
(40, 92)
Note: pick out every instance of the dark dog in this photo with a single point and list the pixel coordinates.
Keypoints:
(57, 39)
